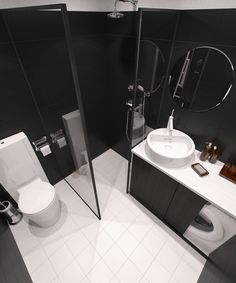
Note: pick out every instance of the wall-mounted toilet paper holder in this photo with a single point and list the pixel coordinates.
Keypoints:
(59, 138)
(40, 143)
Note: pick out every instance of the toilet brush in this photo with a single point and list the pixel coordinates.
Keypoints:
(2, 206)
(10, 212)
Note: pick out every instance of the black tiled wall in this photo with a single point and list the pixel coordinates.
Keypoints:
(201, 28)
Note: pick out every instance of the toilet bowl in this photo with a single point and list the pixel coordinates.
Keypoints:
(39, 203)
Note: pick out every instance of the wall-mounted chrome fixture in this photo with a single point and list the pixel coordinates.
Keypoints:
(59, 138)
(140, 88)
(42, 145)
(38, 144)
(117, 15)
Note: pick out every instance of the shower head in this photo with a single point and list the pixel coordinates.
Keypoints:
(115, 15)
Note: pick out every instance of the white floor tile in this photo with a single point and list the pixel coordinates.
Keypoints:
(126, 217)
(127, 243)
(107, 215)
(114, 229)
(100, 273)
(115, 280)
(153, 242)
(129, 273)
(64, 192)
(76, 243)
(50, 239)
(72, 273)
(67, 227)
(44, 273)
(170, 255)
(157, 273)
(27, 245)
(92, 231)
(103, 243)
(56, 280)
(144, 280)
(185, 274)
(173, 280)
(61, 259)
(88, 259)
(141, 258)
(133, 206)
(145, 217)
(35, 258)
(52, 246)
(139, 230)
(194, 259)
(115, 206)
(43, 234)
(114, 258)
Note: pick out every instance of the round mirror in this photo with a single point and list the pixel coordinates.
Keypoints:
(201, 79)
(151, 66)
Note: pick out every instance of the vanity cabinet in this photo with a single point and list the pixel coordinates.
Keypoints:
(151, 187)
(163, 196)
(183, 208)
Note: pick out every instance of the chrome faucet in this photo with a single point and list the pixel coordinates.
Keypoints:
(170, 124)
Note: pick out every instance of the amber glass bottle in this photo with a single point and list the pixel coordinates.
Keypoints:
(206, 152)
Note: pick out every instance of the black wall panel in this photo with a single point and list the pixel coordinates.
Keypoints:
(198, 28)
(12, 266)
(158, 27)
(17, 109)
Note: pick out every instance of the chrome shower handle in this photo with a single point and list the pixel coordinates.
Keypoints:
(129, 103)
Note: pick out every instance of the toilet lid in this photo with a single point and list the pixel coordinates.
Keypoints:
(35, 196)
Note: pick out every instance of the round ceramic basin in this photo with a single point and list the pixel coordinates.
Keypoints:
(171, 150)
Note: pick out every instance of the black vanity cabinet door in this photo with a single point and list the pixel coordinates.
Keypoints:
(151, 187)
(184, 207)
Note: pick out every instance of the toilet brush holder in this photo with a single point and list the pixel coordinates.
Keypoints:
(12, 214)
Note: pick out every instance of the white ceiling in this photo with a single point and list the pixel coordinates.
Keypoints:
(107, 5)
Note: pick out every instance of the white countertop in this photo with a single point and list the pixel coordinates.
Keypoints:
(213, 188)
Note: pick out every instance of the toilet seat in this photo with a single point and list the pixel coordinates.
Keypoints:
(35, 196)
(216, 234)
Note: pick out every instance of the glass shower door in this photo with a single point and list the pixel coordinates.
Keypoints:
(42, 42)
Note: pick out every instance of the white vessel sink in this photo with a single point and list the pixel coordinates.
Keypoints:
(174, 150)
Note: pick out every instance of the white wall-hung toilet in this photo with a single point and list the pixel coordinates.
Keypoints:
(39, 203)
(23, 177)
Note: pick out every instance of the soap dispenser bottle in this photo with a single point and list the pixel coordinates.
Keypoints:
(214, 155)
(206, 152)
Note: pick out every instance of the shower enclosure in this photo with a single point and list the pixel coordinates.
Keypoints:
(44, 98)
(153, 49)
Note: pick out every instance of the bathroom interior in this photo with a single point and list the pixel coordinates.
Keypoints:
(117, 141)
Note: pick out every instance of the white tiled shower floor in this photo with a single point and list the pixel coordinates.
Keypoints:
(128, 245)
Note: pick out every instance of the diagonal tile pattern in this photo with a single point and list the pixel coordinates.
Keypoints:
(128, 245)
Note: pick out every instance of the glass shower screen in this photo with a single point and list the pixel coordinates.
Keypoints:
(43, 45)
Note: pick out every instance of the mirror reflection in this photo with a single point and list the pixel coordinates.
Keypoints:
(151, 66)
(201, 79)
